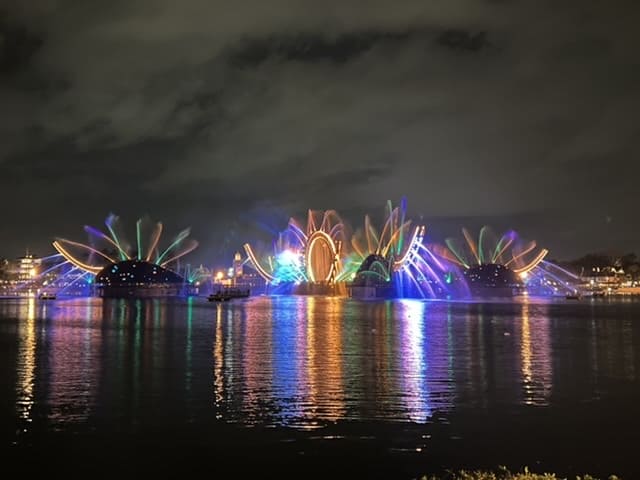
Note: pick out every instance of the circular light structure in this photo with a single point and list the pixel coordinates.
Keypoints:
(320, 257)
(305, 255)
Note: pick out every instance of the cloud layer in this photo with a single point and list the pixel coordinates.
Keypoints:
(518, 114)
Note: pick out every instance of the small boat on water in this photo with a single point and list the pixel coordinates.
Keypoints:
(226, 294)
(573, 296)
(47, 296)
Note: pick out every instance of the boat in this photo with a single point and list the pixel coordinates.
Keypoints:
(226, 294)
(598, 294)
(573, 296)
(47, 296)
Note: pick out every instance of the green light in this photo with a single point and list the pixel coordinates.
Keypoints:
(181, 236)
(109, 222)
(481, 246)
(138, 239)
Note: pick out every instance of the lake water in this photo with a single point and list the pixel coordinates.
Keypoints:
(300, 384)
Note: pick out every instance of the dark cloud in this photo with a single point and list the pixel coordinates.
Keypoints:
(17, 48)
(462, 40)
(210, 114)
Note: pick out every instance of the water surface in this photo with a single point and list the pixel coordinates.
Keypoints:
(413, 386)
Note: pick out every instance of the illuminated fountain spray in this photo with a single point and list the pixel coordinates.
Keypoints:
(508, 251)
(547, 278)
(313, 254)
(507, 261)
(399, 257)
(112, 247)
(389, 244)
(323, 253)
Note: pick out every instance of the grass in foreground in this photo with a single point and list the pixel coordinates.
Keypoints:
(506, 475)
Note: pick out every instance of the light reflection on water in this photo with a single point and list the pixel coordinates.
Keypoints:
(305, 361)
(26, 365)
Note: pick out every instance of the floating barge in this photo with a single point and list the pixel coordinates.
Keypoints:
(226, 294)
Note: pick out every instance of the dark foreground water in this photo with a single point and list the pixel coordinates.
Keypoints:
(306, 386)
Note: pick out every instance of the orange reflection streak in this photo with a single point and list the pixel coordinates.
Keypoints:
(384, 352)
(300, 381)
(257, 357)
(478, 377)
(27, 365)
(332, 381)
(74, 349)
(535, 356)
(525, 355)
(311, 355)
(218, 364)
(230, 362)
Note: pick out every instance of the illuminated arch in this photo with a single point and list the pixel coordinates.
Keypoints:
(252, 257)
(81, 265)
(92, 259)
(412, 247)
(533, 263)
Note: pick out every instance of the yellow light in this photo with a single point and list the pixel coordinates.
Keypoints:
(263, 273)
(533, 263)
(328, 241)
(77, 263)
(219, 276)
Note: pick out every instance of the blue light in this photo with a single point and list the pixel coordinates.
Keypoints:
(289, 267)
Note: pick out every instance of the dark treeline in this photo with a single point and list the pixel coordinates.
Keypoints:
(627, 264)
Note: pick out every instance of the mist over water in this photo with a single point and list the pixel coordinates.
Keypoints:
(412, 375)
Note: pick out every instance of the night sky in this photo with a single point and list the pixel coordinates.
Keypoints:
(231, 116)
